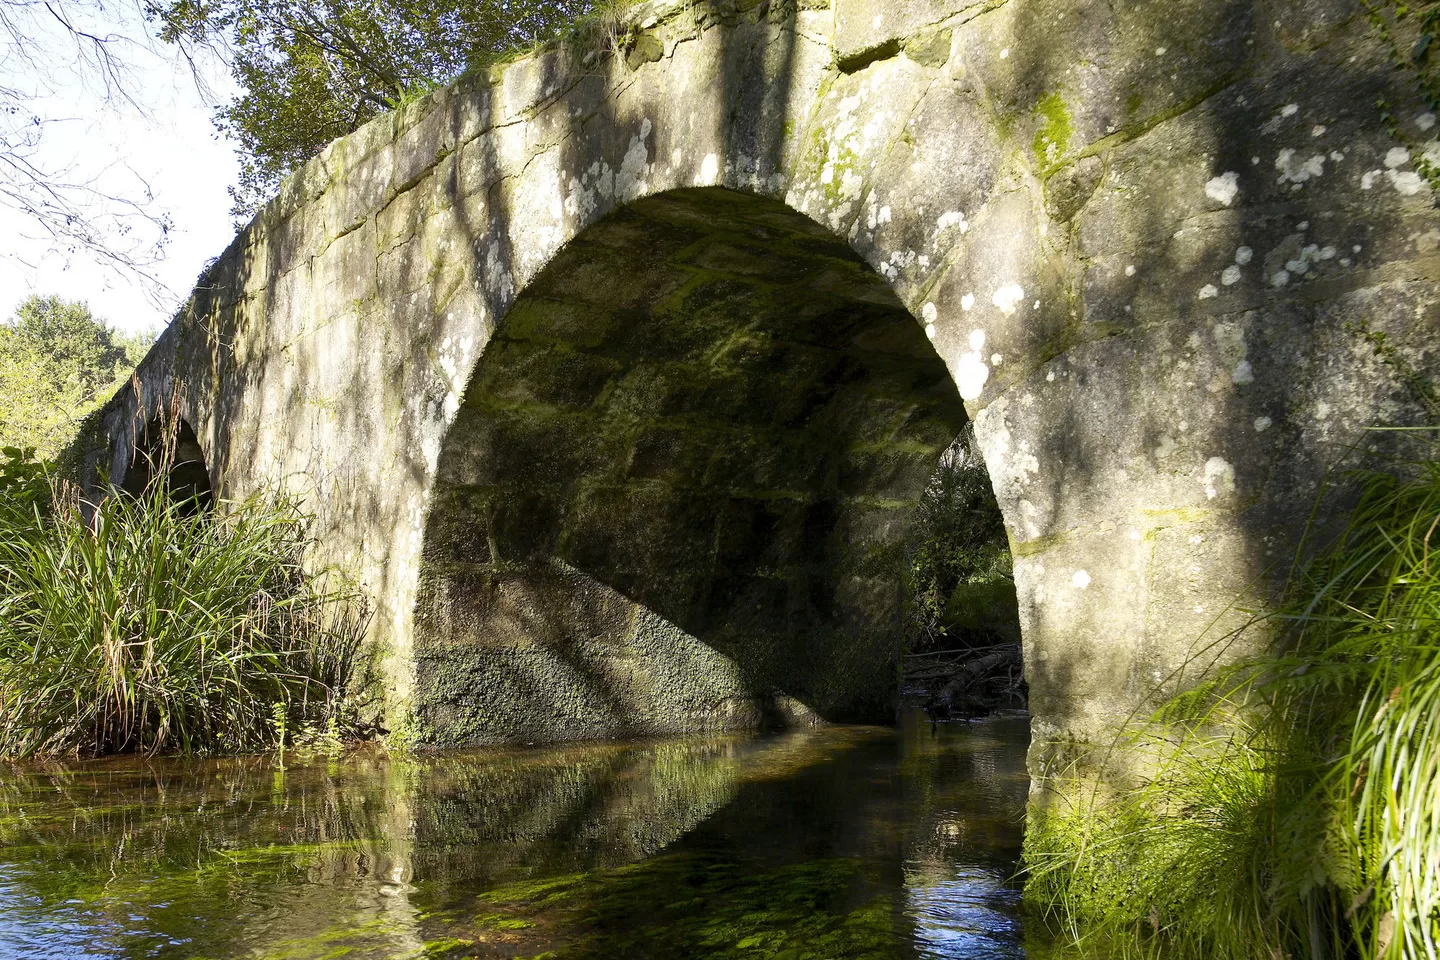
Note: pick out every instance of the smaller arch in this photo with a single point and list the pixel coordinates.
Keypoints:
(168, 452)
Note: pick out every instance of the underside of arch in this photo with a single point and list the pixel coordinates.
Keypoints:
(168, 452)
(676, 491)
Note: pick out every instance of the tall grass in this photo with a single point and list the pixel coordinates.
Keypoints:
(140, 623)
(1296, 811)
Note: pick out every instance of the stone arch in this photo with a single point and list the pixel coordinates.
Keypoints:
(676, 491)
(1146, 246)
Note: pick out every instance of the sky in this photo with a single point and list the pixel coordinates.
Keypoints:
(165, 140)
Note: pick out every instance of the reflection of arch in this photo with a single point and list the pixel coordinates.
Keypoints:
(179, 456)
(675, 492)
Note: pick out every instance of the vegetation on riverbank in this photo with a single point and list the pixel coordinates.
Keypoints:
(959, 536)
(143, 623)
(1297, 811)
(963, 622)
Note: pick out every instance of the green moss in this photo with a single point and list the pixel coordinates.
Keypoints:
(1052, 139)
(445, 947)
(496, 921)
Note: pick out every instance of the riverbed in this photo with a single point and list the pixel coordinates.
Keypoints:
(854, 842)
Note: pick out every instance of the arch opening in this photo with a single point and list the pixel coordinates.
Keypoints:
(677, 491)
(168, 452)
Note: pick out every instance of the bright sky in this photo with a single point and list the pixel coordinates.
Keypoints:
(169, 143)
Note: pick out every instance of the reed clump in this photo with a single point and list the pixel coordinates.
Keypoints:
(1296, 812)
(150, 623)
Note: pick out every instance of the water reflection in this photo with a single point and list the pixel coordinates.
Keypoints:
(855, 842)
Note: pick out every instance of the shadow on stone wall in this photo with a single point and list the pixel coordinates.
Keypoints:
(716, 420)
(1219, 229)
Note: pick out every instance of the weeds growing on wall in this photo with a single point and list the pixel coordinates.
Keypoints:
(140, 623)
(1298, 814)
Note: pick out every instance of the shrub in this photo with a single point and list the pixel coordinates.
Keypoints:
(142, 624)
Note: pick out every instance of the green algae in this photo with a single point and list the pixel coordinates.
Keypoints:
(697, 905)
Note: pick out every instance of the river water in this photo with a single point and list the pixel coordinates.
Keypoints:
(851, 842)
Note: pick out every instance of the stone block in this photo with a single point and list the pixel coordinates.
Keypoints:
(676, 455)
(546, 376)
(868, 29)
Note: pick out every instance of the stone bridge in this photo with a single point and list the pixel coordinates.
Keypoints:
(613, 374)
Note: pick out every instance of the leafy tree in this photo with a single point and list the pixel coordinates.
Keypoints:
(314, 70)
(959, 535)
(57, 364)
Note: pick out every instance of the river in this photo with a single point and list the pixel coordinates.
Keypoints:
(854, 842)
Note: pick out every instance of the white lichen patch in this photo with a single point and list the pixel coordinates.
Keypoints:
(1208, 292)
(1230, 275)
(967, 301)
(952, 218)
(928, 313)
(1425, 120)
(1219, 478)
(1262, 424)
(971, 372)
(1406, 182)
(1295, 169)
(709, 171)
(630, 179)
(1222, 189)
(1310, 256)
(1081, 580)
(1130, 270)
(1007, 297)
(1242, 374)
(977, 340)
(1244, 255)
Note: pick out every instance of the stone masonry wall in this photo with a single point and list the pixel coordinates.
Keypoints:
(1146, 239)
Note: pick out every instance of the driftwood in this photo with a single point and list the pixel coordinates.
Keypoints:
(967, 683)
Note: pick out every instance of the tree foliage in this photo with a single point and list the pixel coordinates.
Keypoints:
(314, 70)
(959, 535)
(57, 364)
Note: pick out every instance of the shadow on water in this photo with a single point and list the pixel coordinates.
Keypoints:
(836, 842)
